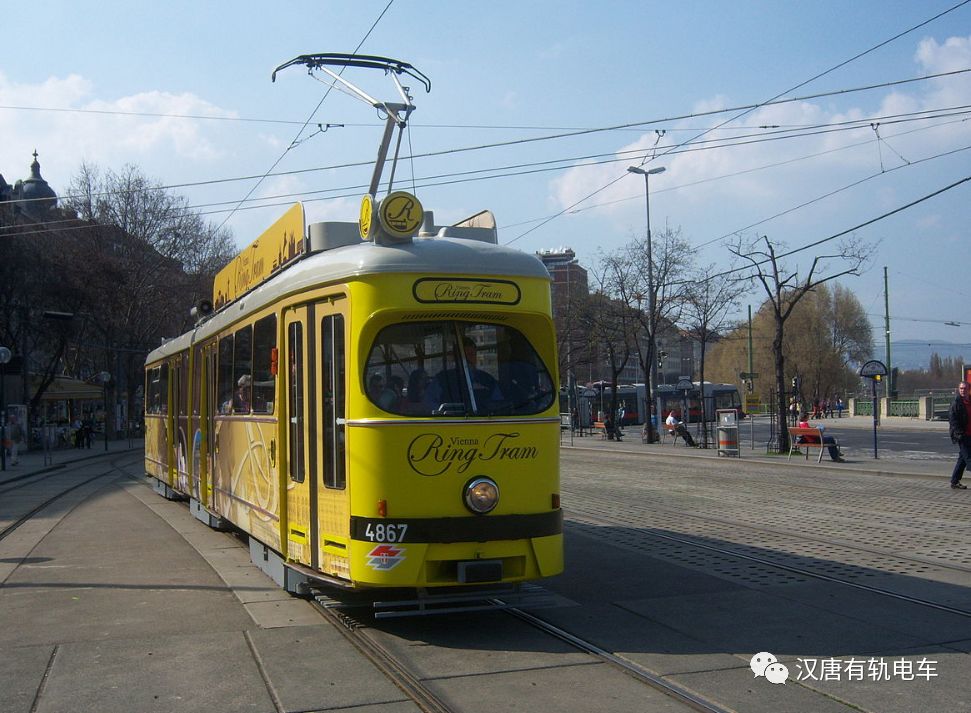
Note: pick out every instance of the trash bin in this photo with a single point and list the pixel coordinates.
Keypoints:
(728, 433)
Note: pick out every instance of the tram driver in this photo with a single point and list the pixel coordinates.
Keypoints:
(448, 385)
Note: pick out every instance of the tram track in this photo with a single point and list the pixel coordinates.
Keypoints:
(409, 684)
(17, 482)
(22, 519)
(692, 700)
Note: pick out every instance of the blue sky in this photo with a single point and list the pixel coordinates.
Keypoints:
(504, 72)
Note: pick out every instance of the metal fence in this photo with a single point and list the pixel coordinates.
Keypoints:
(905, 407)
(862, 407)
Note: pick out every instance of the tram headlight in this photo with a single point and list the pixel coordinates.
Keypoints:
(481, 495)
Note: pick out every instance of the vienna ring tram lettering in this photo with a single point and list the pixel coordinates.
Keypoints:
(431, 454)
(326, 357)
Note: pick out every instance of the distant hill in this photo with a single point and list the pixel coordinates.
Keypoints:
(913, 354)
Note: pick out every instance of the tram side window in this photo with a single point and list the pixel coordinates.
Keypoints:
(264, 353)
(296, 399)
(197, 379)
(225, 380)
(182, 382)
(243, 370)
(163, 385)
(156, 390)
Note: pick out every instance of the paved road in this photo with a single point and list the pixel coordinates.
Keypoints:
(690, 564)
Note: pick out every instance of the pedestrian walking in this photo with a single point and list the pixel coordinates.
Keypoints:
(793, 411)
(959, 420)
(611, 429)
(14, 436)
(87, 432)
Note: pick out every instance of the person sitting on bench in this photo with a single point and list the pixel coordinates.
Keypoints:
(677, 427)
(829, 441)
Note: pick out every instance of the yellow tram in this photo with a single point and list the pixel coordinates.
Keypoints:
(375, 412)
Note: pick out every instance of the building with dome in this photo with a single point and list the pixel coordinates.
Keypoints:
(31, 198)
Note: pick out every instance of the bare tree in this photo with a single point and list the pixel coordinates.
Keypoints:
(145, 258)
(144, 210)
(712, 296)
(785, 288)
(611, 322)
(671, 261)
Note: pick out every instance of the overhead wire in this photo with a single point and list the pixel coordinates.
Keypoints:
(749, 110)
(632, 126)
(834, 236)
(513, 170)
(672, 149)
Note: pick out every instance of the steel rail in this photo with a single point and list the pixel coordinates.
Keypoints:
(693, 700)
(9, 529)
(40, 475)
(380, 657)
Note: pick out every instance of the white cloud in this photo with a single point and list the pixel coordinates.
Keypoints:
(68, 124)
(761, 193)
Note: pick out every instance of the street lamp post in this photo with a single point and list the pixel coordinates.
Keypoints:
(4, 358)
(652, 380)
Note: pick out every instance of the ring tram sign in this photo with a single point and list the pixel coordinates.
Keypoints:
(873, 368)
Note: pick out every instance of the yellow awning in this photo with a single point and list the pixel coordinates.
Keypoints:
(64, 388)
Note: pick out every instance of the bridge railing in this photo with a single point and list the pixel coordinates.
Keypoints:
(924, 408)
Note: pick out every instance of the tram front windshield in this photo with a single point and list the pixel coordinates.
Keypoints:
(456, 369)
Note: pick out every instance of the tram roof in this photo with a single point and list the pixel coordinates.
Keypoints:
(423, 256)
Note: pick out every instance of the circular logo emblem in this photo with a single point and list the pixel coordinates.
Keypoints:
(364, 221)
(400, 214)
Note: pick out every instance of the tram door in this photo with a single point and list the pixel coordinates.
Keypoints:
(318, 527)
(207, 432)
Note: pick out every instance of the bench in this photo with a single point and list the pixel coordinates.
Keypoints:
(599, 426)
(796, 432)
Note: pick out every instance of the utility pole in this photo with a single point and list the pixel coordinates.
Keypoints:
(891, 386)
(751, 368)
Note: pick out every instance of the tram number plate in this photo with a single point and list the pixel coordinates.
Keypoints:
(381, 532)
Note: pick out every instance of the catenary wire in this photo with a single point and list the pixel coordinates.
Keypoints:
(209, 182)
(352, 190)
(500, 127)
(625, 156)
(747, 111)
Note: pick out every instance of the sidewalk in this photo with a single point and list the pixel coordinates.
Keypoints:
(37, 460)
(887, 464)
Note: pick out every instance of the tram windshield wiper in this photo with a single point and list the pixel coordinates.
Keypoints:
(452, 408)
